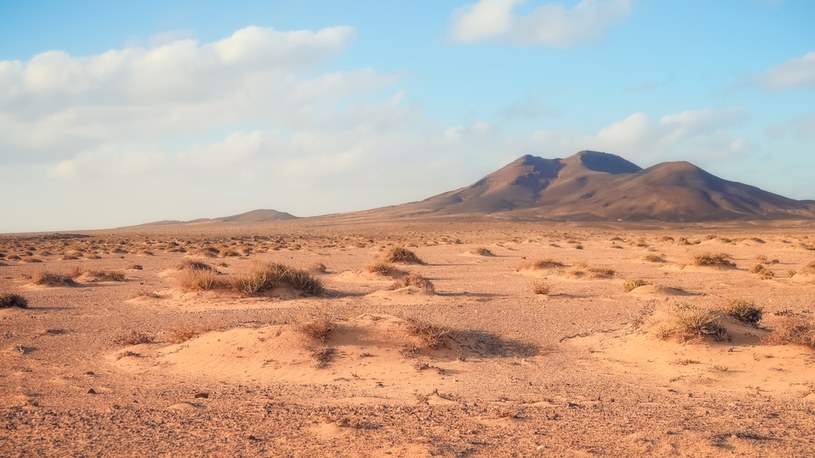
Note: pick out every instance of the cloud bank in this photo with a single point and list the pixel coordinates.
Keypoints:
(550, 24)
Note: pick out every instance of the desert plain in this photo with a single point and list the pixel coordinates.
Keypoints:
(500, 338)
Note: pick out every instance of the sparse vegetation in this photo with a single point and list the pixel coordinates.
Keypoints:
(9, 300)
(689, 322)
(318, 329)
(481, 251)
(324, 356)
(540, 264)
(98, 275)
(541, 288)
(634, 283)
(185, 333)
(719, 260)
(383, 268)
(432, 336)
(415, 280)
(743, 310)
(654, 258)
(403, 256)
(793, 331)
(260, 278)
(200, 280)
(136, 338)
(189, 264)
(52, 279)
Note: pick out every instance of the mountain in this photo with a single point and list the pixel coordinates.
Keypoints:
(251, 217)
(595, 185)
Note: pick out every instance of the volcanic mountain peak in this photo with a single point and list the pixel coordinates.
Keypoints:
(604, 162)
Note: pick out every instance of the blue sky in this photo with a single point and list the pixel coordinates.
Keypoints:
(117, 113)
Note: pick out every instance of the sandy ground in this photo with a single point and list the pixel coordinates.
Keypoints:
(145, 367)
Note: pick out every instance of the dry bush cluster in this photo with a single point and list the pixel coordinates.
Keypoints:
(9, 300)
(416, 281)
(259, 278)
(793, 331)
(319, 329)
(52, 279)
(403, 256)
(634, 283)
(136, 338)
(720, 260)
(540, 264)
(743, 310)
(432, 336)
(689, 322)
(481, 251)
(541, 288)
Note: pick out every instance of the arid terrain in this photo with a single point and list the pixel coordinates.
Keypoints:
(483, 338)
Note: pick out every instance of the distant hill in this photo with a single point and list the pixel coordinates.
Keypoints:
(251, 217)
(595, 185)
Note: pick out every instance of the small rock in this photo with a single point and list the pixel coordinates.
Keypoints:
(91, 391)
(202, 395)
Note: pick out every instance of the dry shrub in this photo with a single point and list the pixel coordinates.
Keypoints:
(52, 279)
(540, 287)
(481, 251)
(136, 338)
(654, 258)
(601, 272)
(757, 269)
(743, 310)
(185, 333)
(689, 323)
(415, 280)
(381, 268)
(720, 260)
(189, 264)
(634, 283)
(103, 275)
(324, 356)
(264, 277)
(403, 256)
(793, 331)
(318, 329)
(200, 280)
(540, 264)
(13, 300)
(432, 336)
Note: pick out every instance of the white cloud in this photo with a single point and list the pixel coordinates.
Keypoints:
(56, 105)
(798, 73)
(701, 134)
(550, 24)
(802, 128)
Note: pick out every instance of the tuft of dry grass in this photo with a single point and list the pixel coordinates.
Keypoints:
(689, 323)
(481, 251)
(634, 283)
(189, 264)
(185, 333)
(382, 268)
(654, 258)
(539, 287)
(540, 264)
(200, 280)
(324, 356)
(403, 256)
(52, 279)
(793, 331)
(99, 275)
(432, 336)
(743, 310)
(136, 338)
(719, 260)
(415, 280)
(9, 300)
(319, 329)
(264, 277)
